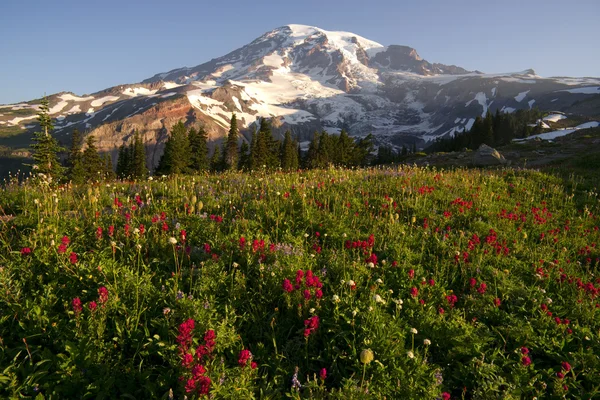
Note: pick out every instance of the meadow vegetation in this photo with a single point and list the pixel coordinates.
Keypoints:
(404, 282)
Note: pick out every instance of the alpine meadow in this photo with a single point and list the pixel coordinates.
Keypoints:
(312, 215)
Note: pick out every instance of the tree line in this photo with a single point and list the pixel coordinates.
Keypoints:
(494, 130)
(187, 152)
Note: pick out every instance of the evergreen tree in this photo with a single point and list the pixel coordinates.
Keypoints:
(268, 147)
(216, 160)
(252, 164)
(244, 163)
(230, 151)
(260, 155)
(313, 152)
(138, 158)
(109, 173)
(363, 149)
(45, 148)
(75, 150)
(176, 157)
(488, 129)
(289, 153)
(198, 150)
(93, 165)
(344, 149)
(123, 162)
(76, 173)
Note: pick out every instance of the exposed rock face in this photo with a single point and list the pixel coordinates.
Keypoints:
(486, 156)
(404, 58)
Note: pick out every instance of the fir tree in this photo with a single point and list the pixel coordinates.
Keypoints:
(289, 153)
(244, 163)
(123, 162)
(313, 152)
(45, 148)
(230, 150)
(253, 150)
(198, 150)
(260, 149)
(76, 173)
(109, 173)
(344, 149)
(93, 165)
(363, 149)
(138, 158)
(176, 157)
(216, 160)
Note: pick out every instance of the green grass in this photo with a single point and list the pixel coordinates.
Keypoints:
(218, 249)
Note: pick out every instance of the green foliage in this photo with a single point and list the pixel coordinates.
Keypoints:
(493, 130)
(93, 164)
(176, 157)
(198, 149)
(264, 149)
(231, 152)
(97, 282)
(45, 148)
(289, 153)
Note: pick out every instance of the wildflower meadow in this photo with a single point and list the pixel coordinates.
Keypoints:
(383, 283)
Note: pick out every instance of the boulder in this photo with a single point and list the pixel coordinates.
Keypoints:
(487, 156)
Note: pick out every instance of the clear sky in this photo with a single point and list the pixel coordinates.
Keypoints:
(85, 46)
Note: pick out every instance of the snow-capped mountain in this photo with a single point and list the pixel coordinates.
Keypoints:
(305, 79)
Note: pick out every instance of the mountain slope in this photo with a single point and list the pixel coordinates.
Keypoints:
(305, 78)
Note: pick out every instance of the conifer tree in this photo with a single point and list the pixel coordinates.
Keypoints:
(260, 153)
(289, 153)
(363, 150)
(230, 150)
(109, 173)
(75, 172)
(123, 162)
(253, 150)
(75, 149)
(198, 150)
(344, 149)
(45, 148)
(488, 129)
(176, 157)
(313, 152)
(138, 158)
(93, 165)
(216, 160)
(244, 163)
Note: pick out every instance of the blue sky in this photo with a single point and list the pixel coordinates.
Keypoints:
(85, 46)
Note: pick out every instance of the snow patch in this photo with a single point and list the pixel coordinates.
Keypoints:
(138, 91)
(560, 132)
(170, 85)
(530, 102)
(58, 107)
(521, 96)
(584, 90)
(15, 121)
(70, 97)
(105, 99)
(554, 117)
(74, 109)
(469, 124)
